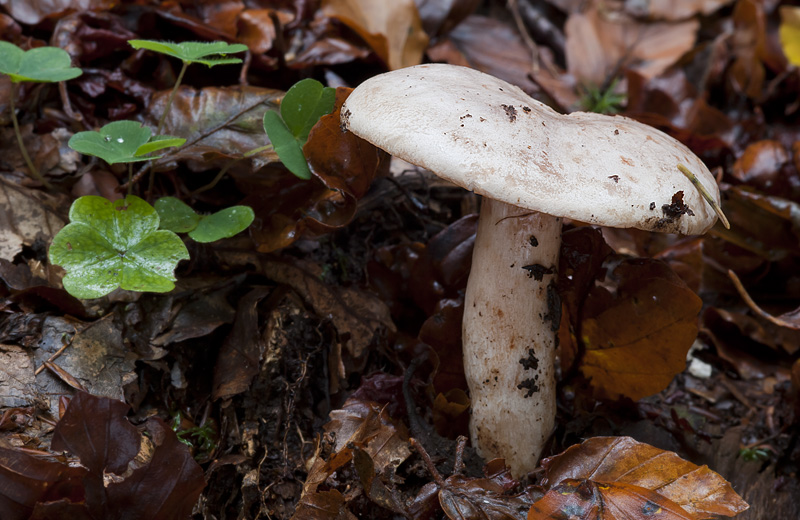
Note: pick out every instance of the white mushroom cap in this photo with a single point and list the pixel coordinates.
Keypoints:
(490, 137)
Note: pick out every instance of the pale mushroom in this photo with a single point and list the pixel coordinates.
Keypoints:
(532, 166)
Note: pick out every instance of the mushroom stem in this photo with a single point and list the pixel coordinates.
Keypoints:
(511, 317)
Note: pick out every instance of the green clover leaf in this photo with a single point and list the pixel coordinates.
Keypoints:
(207, 53)
(122, 142)
(302, 107)
(42, 64)
(180, 218)
(116, 244)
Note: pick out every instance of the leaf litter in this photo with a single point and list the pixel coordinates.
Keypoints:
(266, 336)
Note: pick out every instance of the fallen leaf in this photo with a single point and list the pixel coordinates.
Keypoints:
(257, 28)
(624, 461)
(599, 45)
(26, 481)
(637, 337)
(488, 45)
(392, 29)
(358, 316)
(588, 500)
(674, 10)
(26, 216)
(31, 12)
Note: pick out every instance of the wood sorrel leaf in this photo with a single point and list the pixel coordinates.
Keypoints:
(122, 142)
(115, 244)
(43, 64)
(223, 224)
(178, 217)
(301, 108)
(207, 53)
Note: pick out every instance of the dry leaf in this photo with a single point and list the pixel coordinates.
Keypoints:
(392, 29)
(673, 10)
(637, 338)
(622, 460)
(26, 215)
(599, 45)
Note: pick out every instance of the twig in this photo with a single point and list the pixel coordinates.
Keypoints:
(706, 195)
(754, 306)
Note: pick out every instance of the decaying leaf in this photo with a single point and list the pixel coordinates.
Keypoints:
(393, 30)
(362, 427)
(600, 43)
(636, 339)
(26, 216)
(622, 461)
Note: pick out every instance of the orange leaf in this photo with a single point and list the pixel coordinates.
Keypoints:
(622, 460)
(587, 500)
(392, 29)
(637, 338)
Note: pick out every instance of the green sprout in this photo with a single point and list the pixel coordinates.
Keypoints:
(207, 53)
(754, 454)
(602, 100)
(302, 107)
(200, 437)
(180, 218)
(40, 65)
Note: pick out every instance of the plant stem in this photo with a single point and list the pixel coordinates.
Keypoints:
(22, 149)
(171, 97)
(130, 177)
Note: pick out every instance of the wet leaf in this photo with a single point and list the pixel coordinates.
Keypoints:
(588, 500)
(621, 460)
(598, 45)
(41, 64)
(122, 142)
(207, 53)
(115, 244)
(26, 481)
(26, 216)
(178, 217)
(636, 339)
(393, 30)
(301, 108)
(32, 12)
(96, 430)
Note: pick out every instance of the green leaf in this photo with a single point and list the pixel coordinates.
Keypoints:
(159, 142)
(42, 64)
(286, 145)
(176, 216)
(115, 244)
(223, 224)
(122, 142)
(304, 104)
(207, 53)
(302, 107)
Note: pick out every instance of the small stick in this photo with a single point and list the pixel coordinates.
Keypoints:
(706, 195)
(754, 306)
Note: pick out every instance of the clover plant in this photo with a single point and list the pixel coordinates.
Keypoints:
(207, 53)
(178, 217)
(302, 106)
(39, 65)
(115, 244)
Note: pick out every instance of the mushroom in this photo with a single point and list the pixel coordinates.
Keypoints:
(532, 166)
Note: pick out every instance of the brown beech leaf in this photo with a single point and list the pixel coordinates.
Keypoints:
(32, 12)
(26, 481)
(673, 10)
(467, 498)
(288, 208)
(257, 28)
(26, 215)
(488, 45)
(392, 29)
(599, 43)
(440, 16)
(362, 426)
(357, 315)
(636, 339)
(219, 123)
(588, 500)
(623, 461)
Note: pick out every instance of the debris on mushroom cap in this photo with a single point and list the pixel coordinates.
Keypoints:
(490, 137)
